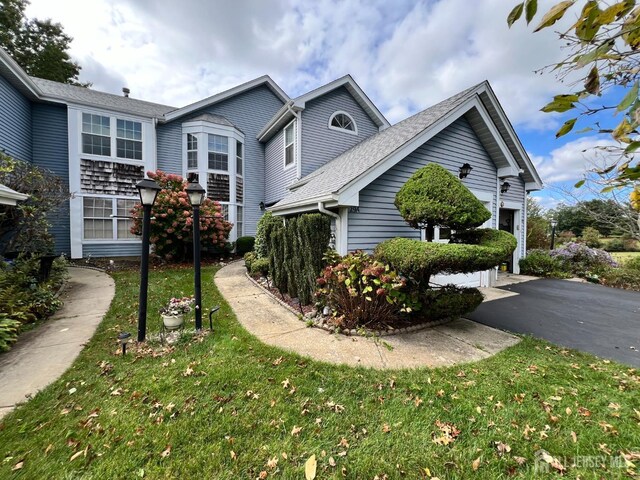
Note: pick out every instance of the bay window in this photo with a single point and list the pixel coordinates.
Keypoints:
(218, 152)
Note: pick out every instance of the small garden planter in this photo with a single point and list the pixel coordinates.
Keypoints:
(172, 322)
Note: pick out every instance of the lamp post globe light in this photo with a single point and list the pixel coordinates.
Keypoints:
(196, 195)
(148, 190)
(554, 223)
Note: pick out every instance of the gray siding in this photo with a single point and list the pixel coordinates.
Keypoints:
(249, 112)
(15, 122)
(378, 219)
(111, 250)
(277, 179)
(517, 194)
(321, 144)
(50, 151)
(169, 147)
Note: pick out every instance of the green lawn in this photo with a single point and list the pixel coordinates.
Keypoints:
(229, 407)
(624, 256)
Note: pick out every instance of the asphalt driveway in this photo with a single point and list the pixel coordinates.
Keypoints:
(592, 318)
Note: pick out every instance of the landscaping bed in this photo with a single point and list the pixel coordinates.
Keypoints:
(228, 407)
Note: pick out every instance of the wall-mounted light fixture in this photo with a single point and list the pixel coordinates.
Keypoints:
(465, 170)
(262, 206)
(504, 188)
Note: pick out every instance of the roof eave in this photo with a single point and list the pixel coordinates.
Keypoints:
(23, 81)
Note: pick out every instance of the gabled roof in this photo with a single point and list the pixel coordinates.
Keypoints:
(285, 114)
(381, 151)
(219, 97)
(51, 90)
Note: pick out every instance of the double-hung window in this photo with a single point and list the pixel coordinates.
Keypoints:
(289, 144)
(192, 151)
(96, 134)
(129, 139)
(239, 158)
(99, 222)
(218, 152)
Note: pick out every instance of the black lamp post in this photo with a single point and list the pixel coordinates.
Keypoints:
(554, 223)
(196, 197)
(148, 190)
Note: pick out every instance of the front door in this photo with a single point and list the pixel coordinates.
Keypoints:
(506, 222)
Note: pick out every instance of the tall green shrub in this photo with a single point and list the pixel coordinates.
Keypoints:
(263, 231)
(295, 251)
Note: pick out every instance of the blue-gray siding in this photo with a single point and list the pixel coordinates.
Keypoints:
(169, 147)
(15, 122)
(50, 151)
(277, 179)
(249, 112)
(111, 250)
(378, 219)
(320, 143)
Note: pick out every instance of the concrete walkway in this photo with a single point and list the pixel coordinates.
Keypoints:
(43, 354)
(456, 342)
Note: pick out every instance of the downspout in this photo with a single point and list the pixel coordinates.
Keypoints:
(321, 209)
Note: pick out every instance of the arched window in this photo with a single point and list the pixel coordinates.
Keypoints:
(344, 122)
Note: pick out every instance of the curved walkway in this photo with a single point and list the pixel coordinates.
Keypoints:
(456, 342)
(43, 354)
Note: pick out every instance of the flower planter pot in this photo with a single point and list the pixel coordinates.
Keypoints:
(172, 322)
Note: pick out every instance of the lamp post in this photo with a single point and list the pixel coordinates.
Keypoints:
(148, 190)
(554, 223)
(196, 197)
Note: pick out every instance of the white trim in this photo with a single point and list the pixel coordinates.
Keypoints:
(505, 172)
(524, 226)
(511, 205)
(10, 197)
(519, 230)
(343, 130)
(342, 231)
(482, 195)
(200, 126)
(532, 186)
(497, 136)
(219, 97)
(294, 143)
(298, 129)
(19, 73)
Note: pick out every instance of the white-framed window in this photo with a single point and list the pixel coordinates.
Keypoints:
(224, 211)
(239, 157)
(128, 139)
(239, 221)
(289, 144)
(101, 218)
(439, 234)
(96, 134)
(218, 152)
(192, 151)
(344, 122)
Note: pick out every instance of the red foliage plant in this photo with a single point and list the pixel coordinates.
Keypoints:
(172, 228)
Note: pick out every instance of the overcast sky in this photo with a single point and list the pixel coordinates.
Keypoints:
(406, 55)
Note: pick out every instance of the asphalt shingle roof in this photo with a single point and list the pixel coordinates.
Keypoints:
(88, 96)
(351, 164)
(211, 118)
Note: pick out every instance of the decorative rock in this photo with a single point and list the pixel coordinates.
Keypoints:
(326, 311)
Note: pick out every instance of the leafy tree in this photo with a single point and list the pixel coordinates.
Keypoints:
(537, 226)
(40, 47)
(25, 227)
(603, 51)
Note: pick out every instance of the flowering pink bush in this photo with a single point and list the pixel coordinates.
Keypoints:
(172, 228)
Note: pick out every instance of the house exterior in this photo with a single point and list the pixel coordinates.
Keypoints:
(253, 147)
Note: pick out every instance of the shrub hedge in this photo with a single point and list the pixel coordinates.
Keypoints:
(449, 301)
(540, 263)
(266, 223)
(483, 249)
(295, 251)
(244, 245)
(435, 197)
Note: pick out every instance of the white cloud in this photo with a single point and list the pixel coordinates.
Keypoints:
(573, 159)
(406, 55)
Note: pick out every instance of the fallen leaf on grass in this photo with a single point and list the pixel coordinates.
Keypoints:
(502, 448)
(272, 462)
(166, 452)
(19, 465)
(386, 428)
(552, 461)
(574, 437)
(116, 392)
(296, 431)
(48, 449)
(263, 475)
(310, 467)
(332, 462)
(519, 460)
(233, 455)
(277, 361)
(476, 464)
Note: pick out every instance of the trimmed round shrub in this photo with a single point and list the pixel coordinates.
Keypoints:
(434, 197)
(591, 237)
(244, 245)
(249, 258)
(260, 266)
(540, 263)
(482, 249)
(449, 301)
(615, 245)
